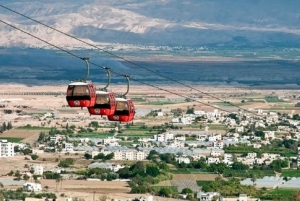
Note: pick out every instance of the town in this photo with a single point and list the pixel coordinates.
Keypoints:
(176, 149)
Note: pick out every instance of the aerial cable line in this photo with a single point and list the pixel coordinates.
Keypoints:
(124, 59)
(72, 54)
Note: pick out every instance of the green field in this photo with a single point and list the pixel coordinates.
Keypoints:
(95, 134)
(248, 173)
(290, 173)
(273, 99)
(279, 194)
(126, 143)
(11, 139)
(251, 100)
(217, 126)
(230, 104)
(34, 128)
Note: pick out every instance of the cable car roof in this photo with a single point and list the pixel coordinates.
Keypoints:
(121, 99)
(79, 83)
(102, 92)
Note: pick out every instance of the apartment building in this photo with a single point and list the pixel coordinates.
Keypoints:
(6, 148)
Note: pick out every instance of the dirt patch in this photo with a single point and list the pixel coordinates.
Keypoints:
(29, 136)
(194, 177)
(87, 186)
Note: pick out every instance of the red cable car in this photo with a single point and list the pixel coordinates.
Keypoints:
(105, 101)
(125, 111)
(105, 104)
(80, 93)
(125, 108)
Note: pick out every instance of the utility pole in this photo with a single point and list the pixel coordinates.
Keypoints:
(94, 196)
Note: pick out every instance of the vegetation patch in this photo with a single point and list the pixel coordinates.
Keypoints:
(29, 127)
(273, 99)
(11, 139)
(290, 173)
(217, 126)
(279, 194)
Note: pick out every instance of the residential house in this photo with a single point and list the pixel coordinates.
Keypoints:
(32, 187)
(211, 160)
(209, 196)
(38, 169)
(228, 159)
(269, 135)
(183, 159)
(108, 166)
(6, 148)
(67, 147)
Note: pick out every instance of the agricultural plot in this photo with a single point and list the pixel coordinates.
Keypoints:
(217, 126)
(29, 136)
(273, 99)
(248, 173)
(11, 139)
(33, 128)
(278, 194)
(195, 177)
(290, 173)
(95, 134)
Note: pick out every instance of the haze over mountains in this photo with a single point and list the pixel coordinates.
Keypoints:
(256, 42)
(225, 23)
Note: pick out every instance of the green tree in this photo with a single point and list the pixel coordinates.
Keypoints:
(186, 191)
(9, 126)
(152, 170)
(165, 192)
(109, 156)
(42, 137)
(87, 156)
(4, 126)
(34, 157)
(26, 177)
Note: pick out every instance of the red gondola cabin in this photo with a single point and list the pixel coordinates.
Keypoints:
(124, 112)
(81, 94)
(105, 104)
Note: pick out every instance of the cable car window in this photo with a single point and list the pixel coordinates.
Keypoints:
(122, 105)
(81, 90)
(70, 90)
(102, 99)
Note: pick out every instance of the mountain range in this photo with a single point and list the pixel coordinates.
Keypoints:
(126, 23)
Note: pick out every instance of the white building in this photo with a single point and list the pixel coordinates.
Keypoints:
(218, 144)
(110, 140)
(56, 138)
(163, 137)
(228, 159)
(67, 147)
(211, 160)
(216, 152)
(132, 155)
(108, 166)
(38, 169)
(209, 196)
(6, 148)
(215, 137)
(32, 187)
(269, 134)
(183, 159)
